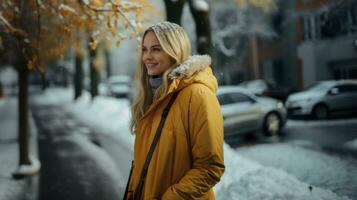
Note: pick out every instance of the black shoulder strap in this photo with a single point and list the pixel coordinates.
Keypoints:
(138, 191)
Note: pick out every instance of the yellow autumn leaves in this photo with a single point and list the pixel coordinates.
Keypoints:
(51, 27)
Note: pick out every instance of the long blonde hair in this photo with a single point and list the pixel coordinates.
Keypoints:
(175, 42)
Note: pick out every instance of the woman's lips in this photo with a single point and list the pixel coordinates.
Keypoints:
(150, 65)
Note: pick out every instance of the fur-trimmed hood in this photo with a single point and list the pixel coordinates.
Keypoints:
(196, 69)
(190, 66)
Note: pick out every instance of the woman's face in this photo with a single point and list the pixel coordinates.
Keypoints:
(155, 59)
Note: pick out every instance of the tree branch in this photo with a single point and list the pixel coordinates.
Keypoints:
(17, 32)
(38, 30)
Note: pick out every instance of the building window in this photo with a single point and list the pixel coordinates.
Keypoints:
(353, 19)
(308, 27)
(337, 21)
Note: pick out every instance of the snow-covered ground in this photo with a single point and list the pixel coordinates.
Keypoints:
(10, 188)
(270, 172)
(304, 161)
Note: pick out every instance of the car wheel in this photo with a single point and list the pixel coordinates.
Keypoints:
(272, 124)
(321, 111)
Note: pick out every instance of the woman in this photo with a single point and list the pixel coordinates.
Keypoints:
(188, 159)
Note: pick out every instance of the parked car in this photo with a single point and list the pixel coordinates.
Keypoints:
(120, 86)
(261, 87)
(244, 112)
(323, 99)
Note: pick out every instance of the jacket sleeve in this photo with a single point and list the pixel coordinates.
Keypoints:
(206, 132)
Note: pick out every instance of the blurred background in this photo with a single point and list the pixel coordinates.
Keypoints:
(287, 74)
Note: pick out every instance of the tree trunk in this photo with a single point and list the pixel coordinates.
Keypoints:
(23, 130)
(203, 30)
(107, 62)
(78, 77)
(174, 10)
(254, 56)
(43, 81)
(94, 75)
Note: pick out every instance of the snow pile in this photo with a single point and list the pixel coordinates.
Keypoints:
(29, 169)
(55, 96)
(245, 179)
(307, 165)
(107, 114)
(9, 187)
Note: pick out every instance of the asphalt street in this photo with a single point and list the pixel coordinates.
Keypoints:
(332, 132)
(331, 135)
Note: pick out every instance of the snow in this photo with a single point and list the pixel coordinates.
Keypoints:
(252, 173)
(307, 165)
(8, 75)
(325, 123)
(107, 114)
(26, 170)
(11, 189)
(200, 5)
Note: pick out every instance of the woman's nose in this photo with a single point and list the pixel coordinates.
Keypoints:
(147, 55)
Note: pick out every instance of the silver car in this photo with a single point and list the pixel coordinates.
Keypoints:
(243, 112)
(120, 86)
(323, 99)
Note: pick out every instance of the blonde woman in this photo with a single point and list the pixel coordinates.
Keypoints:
(188, 158)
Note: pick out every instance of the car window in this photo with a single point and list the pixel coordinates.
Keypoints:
(239, 98)
(224, 99)
(347, 88)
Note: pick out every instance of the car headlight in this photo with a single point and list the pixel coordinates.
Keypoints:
(300, 101)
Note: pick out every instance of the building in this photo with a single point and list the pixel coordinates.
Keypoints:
(317, 40)
(327, 40)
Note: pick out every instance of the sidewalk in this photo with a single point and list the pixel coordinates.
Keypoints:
(11, 189)
(75, 165)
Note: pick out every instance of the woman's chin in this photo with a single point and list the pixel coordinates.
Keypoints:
(152, 73)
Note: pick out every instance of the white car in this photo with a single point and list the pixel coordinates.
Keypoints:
(243, 112)
(323, 99)
(120, 86)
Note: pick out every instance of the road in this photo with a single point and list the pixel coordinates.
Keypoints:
(330, 134)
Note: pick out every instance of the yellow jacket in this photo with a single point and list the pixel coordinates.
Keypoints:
(188, 159)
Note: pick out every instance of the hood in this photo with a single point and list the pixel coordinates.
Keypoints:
(196, 69)
(304, 95)
(267, 100)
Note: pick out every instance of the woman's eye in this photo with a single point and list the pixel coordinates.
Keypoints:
(156, 49)
(143, 49)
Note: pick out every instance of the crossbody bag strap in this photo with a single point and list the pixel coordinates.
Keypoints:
(128, 182)
(138, 191)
